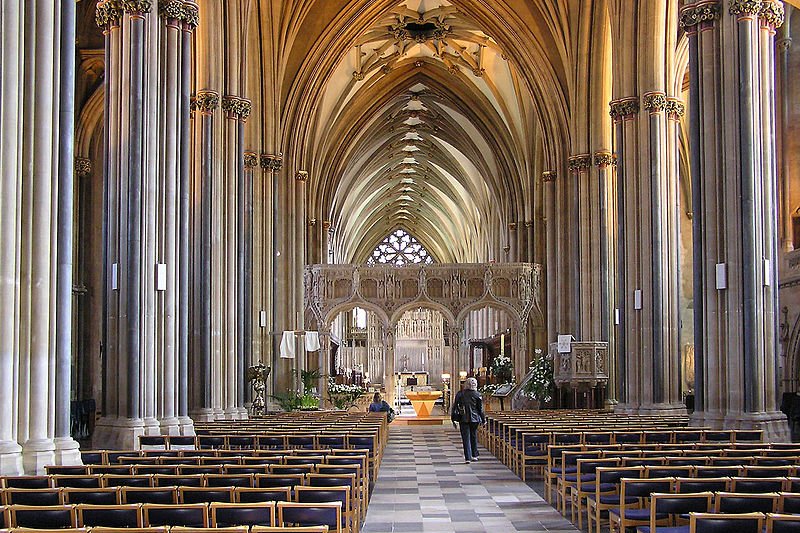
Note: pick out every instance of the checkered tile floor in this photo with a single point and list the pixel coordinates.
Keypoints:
(424, 486)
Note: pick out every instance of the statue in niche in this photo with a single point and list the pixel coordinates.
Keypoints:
(582, 363)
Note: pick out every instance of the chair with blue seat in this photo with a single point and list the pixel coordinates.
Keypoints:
(638, 514)
(242, 514)
(190, 515)
(531, 452)
(34, 496)
(311, 514)
(350, 521)
(104, 496)
(651, 471)
(738, 502)
(677, 508)
(280, 480)
(164, 495)
(127, 515)
(688, 485)
(568, 476)
(43, 516)
(607, 493)
(554, 466)
(726, 523)
(783, 523)
(717, 471)
(757, 485)
(586, 484)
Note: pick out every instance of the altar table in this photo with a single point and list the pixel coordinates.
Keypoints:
(423, 401)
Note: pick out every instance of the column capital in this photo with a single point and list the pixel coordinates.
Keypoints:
(624, 108)
(772, 13)
(236, 108)
(83, 166)
(250, 160)
(604, 159)
(301, 176)
(136, 7)
(548, 176)
(784, 44)
(312, 222)
(579, 163)
(171, 10)
(272, 162)
(206, 101)
(704, 13)
(108, 13)
(512, 226)
(675, 108)
(191, 15)
(745, 8)
(529, 223)
(654, 102)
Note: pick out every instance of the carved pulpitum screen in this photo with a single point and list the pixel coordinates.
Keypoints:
(400, 249)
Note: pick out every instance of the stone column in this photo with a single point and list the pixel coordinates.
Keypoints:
(246, 273)
(604, 161)
(784, 45)
(244, 280)
(11, 90)
(189, 23)
(39, 449)
(731, 53)
(298, 251)
(584, 272)
(66, 452)
(206, 102)
(549, 191)
(512, 242)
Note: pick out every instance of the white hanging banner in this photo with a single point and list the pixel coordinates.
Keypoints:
(287, 345)
(312, 341)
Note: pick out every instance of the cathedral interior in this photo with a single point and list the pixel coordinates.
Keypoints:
(393, 193)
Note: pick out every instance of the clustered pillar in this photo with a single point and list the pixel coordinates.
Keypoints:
(731, 62)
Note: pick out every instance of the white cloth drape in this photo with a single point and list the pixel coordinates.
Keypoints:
(287, 345)
(312, 341)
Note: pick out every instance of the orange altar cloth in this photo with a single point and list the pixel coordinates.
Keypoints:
(423, 401)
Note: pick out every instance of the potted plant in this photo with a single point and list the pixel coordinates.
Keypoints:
(540, 385)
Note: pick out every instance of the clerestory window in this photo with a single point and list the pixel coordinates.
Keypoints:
(399, 248)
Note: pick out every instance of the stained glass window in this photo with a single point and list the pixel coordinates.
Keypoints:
(400, 249)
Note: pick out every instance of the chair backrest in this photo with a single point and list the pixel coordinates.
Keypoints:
(332, 480)
(184, 470)
(163, 495)
(154, 529)
(34, 496)
(67, 480)
(168, 469)
(668, 471)
(73, 470)
(643, 488)
(111, 469)
(27, 482)
(756, 485)
(104, 496)
(768, 471)
(686, 485)
(242, 514)
(93, 457)
(114, 480)
(717, 471)
(616, 473)
(726, 523)
(205, 494)
(229, 480)
(737, 502)
(129, 515)
(169, 480)
(789, 503)
(43, 516)
(681, 504)
(287, 529)
(245, 469)
(194, 515)
(303, 459)
(258, 494)
(316, 514)
(783, 523)
(279, 480)
(291, 469)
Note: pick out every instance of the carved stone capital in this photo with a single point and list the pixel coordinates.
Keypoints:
(326, 225)
(579, 163)
(773, 13)
(512, 226)
(136, 7)
(654, 102)
(358, 76)
(548, 176)
(623, 108)
(312, 222)
(745, 8)
(301, 176)
(705, 13)
(529, 223)
(172, 10)
(206, 101)
(83, 166)
(108, 13)
(250, 160)
(603, 159)
(271, 162)
(236, 108)
(675, 108)
(191, 15)
(784, 44)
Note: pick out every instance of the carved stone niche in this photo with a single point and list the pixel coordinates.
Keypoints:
(435, 288)
(585, 366)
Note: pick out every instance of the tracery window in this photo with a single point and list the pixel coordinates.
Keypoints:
(399, 248)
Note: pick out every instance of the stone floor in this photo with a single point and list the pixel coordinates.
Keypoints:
(424, 486)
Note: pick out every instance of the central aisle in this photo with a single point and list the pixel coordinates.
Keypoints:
(424, 486)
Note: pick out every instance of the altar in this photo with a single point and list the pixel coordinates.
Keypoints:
(422, 401)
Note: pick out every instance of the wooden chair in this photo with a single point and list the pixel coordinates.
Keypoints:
(192, 515)
(242, 514)
(128, 515)
(783, 523)
(311, 514)
(715, 523)
(44, 516)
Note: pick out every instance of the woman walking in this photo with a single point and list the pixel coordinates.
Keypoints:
(468, 412)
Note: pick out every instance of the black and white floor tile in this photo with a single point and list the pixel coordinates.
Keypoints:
(425, 486)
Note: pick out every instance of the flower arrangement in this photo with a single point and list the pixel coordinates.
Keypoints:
(344, 396)
(502, 369)
(540, 385)
(488, 389)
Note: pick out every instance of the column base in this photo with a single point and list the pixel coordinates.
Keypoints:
(219, 414)
(231, 413)
(10, 458)
(170, 426)
(151, 426)
(203, 415)
(186, 425)
(773, 423)
(118, 433)
(103, 435)
(36, 454)
(68, 451)
(656, 409)
(244, 414)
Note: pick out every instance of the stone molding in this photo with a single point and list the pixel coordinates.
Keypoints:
(250, 160)
(301, 176)
(548, 176)
(623, 108)
(704, 13)
(675, 108)
(270, 162)
(579, 163)
(236, 108)
(512, 226)
(206, 101)
(654, 102)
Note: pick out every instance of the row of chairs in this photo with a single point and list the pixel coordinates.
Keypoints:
(113, 457)
(176, 529)
(262, 441)
(215, 515)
